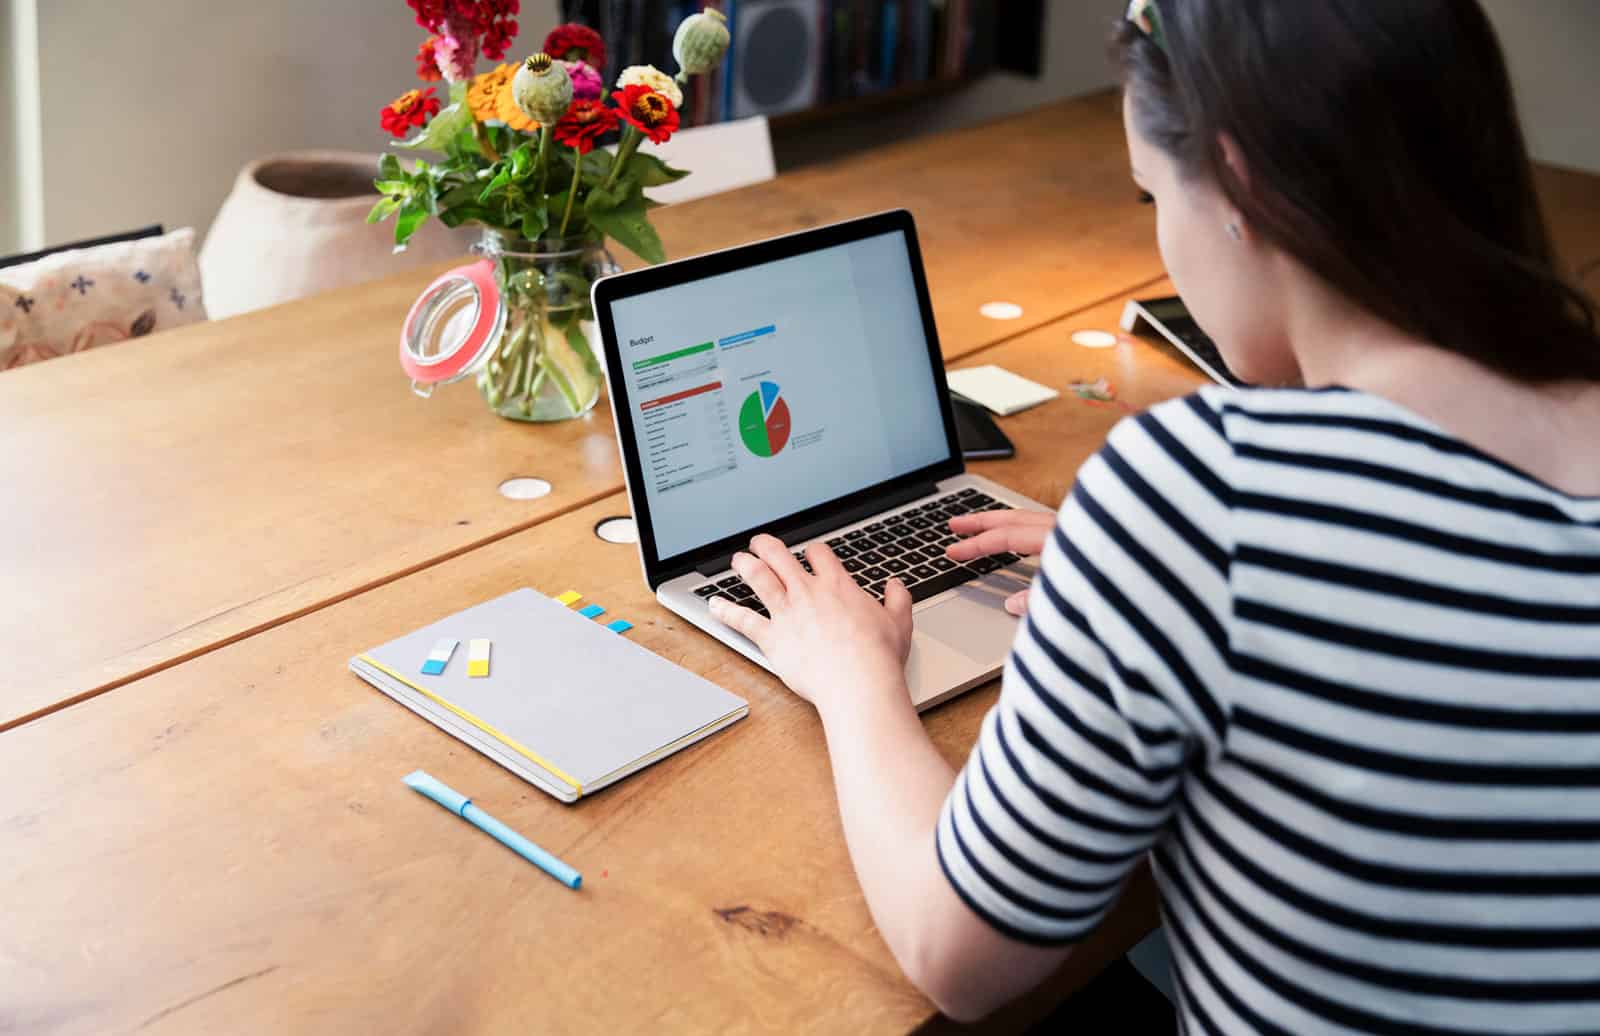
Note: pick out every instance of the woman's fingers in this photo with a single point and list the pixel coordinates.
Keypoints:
(1016, 539)
(758, 575)
(1017, 603)
(972, 524)
(824, 562)
(771, 550)
(742, 620)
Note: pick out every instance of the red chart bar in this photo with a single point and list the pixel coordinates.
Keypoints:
(685, 394)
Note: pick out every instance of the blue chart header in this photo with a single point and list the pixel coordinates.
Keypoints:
(746, 336)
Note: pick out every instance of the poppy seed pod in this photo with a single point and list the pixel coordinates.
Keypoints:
(700, 42)
(542, 89)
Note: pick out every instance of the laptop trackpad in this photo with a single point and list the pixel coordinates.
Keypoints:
(972, 622)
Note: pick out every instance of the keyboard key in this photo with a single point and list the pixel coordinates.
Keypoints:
(954, 509)
(875, 527)
(920, 523)
(896, 565)
(752, 604)
(983, 566)
(741, 592)
(876, 589)
(891, 550)
(940, 583)
(855, 534)
(844, 553)
(705, 591)
(969, 491)
(945, 541)
(930, 536)
(938, 514)
(924, 572)
(720, 595)
(876, 573)
(942, 564)
(932, 552)
(762, 611)
(997, 506)
(881, 538)
(730, 581)
(853, 565)
(1007, 559)
(871, 557)
(979, 500)
(836, 542)
(861, 580)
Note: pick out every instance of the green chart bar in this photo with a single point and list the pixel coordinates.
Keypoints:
(669, 357)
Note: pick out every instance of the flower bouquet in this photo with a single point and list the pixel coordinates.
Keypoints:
(519, 158)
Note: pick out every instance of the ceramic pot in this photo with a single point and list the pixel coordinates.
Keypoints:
(295, 224)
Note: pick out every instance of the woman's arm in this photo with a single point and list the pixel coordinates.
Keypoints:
(839, 649)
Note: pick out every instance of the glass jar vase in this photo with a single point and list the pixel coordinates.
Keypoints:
(544, 366)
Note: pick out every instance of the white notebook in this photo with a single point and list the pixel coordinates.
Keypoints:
(568, 705)
(998, 389)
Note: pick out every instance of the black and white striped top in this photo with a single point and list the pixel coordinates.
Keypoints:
(1339, 674)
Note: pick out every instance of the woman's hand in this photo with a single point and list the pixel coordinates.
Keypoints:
(1000, 532)
(827, 639)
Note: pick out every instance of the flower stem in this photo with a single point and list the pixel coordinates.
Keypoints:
(631, 139)
(572, 195)
(543, 158)
(485, 148)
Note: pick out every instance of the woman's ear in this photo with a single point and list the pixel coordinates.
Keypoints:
(1239, 169)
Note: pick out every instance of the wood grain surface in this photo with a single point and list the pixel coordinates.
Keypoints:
(226, 845)
(182, 491)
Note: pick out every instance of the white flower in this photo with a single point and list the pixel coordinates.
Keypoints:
(655, 79)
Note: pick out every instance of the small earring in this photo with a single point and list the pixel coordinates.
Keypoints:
(1234, 232)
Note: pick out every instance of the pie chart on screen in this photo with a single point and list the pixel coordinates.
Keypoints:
(764, 421)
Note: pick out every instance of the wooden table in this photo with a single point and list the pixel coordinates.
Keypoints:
(174, 494)
(226, 845)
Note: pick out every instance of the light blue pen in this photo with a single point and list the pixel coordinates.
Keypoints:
(462, 807)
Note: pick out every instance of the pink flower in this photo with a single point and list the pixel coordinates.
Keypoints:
(586, 83)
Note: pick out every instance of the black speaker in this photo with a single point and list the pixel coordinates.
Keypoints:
(777, 52)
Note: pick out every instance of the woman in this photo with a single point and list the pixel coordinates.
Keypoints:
(1328, 654)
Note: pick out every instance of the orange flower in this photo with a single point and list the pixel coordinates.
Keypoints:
(508, 112)
(652, 113)
(483, 96)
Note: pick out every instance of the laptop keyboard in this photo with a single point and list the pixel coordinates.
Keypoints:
(908, 545)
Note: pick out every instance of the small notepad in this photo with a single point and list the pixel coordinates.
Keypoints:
(998, 390)
(571, 707)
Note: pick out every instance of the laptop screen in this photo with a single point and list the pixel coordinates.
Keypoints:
(759, 393)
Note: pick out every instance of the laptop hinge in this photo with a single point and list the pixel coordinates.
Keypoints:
(877, 505)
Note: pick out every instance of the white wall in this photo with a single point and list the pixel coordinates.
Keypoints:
(1551, 46)
(151, 107)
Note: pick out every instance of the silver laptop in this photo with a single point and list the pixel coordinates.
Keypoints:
(795, 386)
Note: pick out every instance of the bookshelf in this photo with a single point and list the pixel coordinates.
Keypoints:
(805, 62)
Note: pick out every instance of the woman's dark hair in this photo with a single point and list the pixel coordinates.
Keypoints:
(1383, 152)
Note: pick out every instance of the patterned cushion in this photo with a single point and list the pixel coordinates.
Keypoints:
(75, 300)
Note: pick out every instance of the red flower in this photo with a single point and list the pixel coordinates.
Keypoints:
(488, 25)
(428, 61)
(573, 42)
(585, 121)
(412, 108)
(648, 110)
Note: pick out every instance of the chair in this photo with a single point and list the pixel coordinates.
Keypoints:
(721, 157)
(92, 293)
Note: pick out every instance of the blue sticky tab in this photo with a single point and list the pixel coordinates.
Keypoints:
(591, 611)
(620, 626)
(432, 667)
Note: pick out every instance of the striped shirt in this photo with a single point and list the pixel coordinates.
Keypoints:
(1338, 674)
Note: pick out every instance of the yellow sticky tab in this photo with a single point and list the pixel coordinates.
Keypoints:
(570, 598)
(478, 657)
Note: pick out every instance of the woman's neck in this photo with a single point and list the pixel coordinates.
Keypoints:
(1551, 432)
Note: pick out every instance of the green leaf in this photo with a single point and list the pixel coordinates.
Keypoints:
(458, 90)
(522, 161)
(534, 222)
(618, 195)
(596, 166)
(628, 225)
(383, 210)
(389, 168)
(411, 217)
(456, 215)
(501, 180)
(652, 172)
(580, 345)
(438, 133)
(391, 186)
